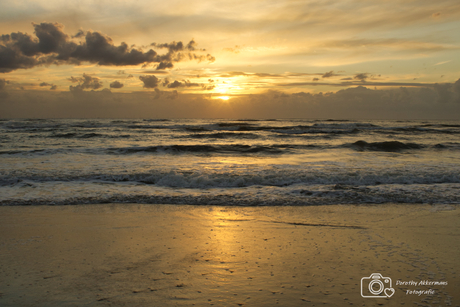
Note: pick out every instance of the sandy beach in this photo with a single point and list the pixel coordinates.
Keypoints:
(177, 255)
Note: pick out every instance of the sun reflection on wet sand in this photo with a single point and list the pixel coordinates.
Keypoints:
(176, 255)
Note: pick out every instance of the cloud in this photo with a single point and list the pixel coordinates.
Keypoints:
(361, 76)
(328, 74)
(246, 74)
(358, 83)
(235, 49)
(150, 81)
(448, 92)
(3, 93)
(84, 83)
(52, 86)
(208, 87)
(267, 75)
(175, 84)
(52, 46)
(116, 84)
(3, 82)
(186, 83)
(178, 52)
(292, 74)
(358, 103)
(154, 72)
(443, 62)
(164, 65)
(165, 94)
(100, 49)
(179, 46)
(234, 74)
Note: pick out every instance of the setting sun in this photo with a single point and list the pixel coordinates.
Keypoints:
(222, 97)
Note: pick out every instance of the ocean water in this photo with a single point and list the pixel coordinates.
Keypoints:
(229, 162)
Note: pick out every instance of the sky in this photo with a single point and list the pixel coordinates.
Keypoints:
(347, 59)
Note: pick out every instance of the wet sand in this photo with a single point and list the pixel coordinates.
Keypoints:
(170, 255)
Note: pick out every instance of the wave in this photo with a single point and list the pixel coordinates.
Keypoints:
(243, 177)
(296, 195)
(223, 135)
(386, 146)
(156, 120)
(236, 148)
(72, 135)
(291, 127)
(225, 149)
(142, 126)
(423, 129)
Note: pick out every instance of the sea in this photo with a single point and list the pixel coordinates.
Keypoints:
(273, 162)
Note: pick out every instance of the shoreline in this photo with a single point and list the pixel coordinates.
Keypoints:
(184, 255)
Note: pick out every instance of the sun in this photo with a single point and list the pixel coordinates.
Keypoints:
(222, 97)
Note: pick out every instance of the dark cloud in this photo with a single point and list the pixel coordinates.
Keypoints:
(52, 46)
(164, 65)
(315, 79)
(52, 86)
(179, 46)
(175, 84)
(328, 74)
(186, 83)
(100, 49)
(361, 76)
(84, 83)
(150, 81)
(208, 87)
(178, 52)
(116, 84)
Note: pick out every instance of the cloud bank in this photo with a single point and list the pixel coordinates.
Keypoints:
(440, 101)
(52, 46)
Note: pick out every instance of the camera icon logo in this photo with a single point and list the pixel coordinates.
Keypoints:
(376, 286)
